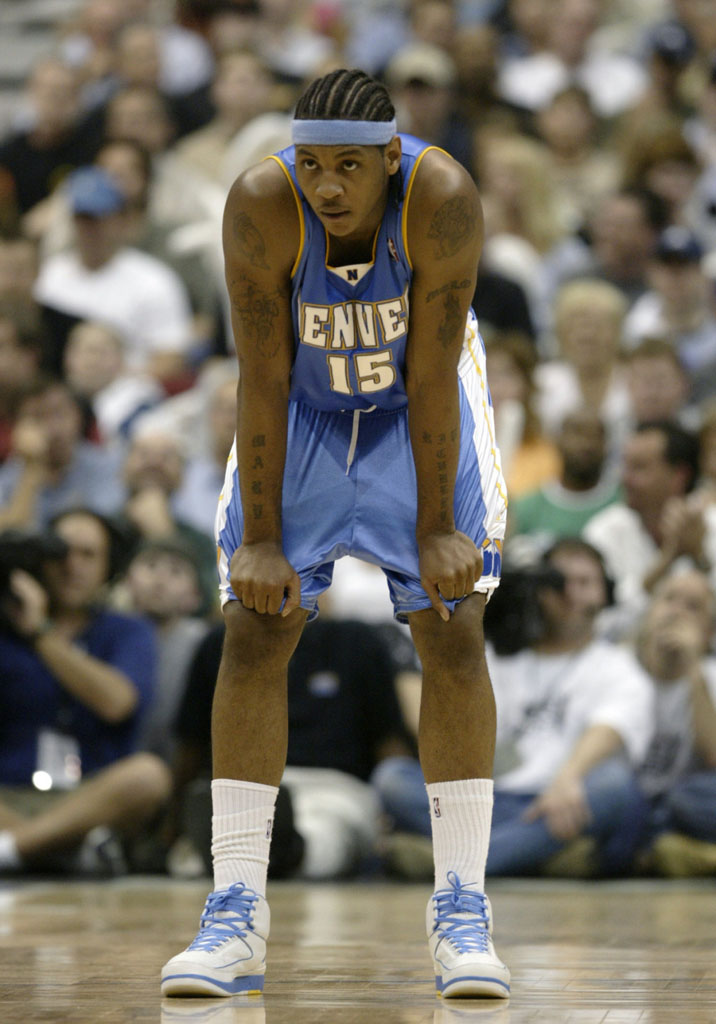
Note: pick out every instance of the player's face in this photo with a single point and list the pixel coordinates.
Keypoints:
(347, 186)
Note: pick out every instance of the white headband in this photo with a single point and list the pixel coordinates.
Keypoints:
(335, 133)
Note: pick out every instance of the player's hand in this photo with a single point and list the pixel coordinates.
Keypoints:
(261, 576)
(564, 807)
(450, 565)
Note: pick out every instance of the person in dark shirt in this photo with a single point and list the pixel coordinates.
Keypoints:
(35, 159)
(344, 720)
(77, 679)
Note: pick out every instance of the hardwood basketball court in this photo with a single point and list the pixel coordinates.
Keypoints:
(597, 953)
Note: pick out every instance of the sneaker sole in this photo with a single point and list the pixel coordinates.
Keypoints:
(201, 985)
(474, 986)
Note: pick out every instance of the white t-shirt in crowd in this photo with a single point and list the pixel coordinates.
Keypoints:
(670, 755)
(545, 703)
(133, 292)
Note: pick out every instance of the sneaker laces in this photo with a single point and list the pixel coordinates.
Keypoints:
(227, 914)
(461, 915)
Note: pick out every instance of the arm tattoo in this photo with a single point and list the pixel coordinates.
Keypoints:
(452, 226)
(440, 444)
(250, 241)
(452, 321)
(450, 286)
(257, 310)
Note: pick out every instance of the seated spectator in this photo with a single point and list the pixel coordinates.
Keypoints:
(141, 113)
(476, 52)
(77, 681)
(343, 721)
(19, 264)
(562, 507)
(669, 50)
(588, 319)
(658, 158)
(242, 89)
(574, 719)
(102, 278)
(529, 456)
(21, 351)
(33, 158)
(661, 521)
(700, 128)
(422, 78)
(162, 583)
(51, 466)
(679, 305)
(583, 170)
(658, 384)
(614, 81)
(678, 774)
(198, 496)
(616, 245)
(523, 222)
(95, 369)
(153, 470)
(129, 164)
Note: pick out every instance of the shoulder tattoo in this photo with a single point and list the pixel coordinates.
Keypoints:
(250, 240)
(452, 226)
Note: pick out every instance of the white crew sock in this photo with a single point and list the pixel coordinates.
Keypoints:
(241, 832)
(461, 817)
(9, 857)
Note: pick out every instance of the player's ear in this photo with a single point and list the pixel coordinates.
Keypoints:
(393, 153)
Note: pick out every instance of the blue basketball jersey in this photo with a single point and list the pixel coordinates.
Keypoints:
(351, 334)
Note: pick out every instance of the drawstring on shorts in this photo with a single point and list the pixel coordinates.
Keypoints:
(354, 435)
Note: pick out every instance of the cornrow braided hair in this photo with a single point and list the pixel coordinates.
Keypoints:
(346, 95)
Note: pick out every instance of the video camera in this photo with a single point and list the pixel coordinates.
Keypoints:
(28, 551)
(513, 619)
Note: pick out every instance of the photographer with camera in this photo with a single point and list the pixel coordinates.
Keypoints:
(575, 715)
(574, 719)
(76, 681)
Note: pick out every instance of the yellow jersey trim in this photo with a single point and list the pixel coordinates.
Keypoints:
(299, 207)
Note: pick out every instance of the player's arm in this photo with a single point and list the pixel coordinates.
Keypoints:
(261, 238)
(445, 230)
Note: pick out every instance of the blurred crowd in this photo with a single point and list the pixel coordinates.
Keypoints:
(590, 129)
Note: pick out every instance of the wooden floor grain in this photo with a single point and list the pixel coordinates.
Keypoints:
(601, 953)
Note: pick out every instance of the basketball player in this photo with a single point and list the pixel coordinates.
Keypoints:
(364, 428)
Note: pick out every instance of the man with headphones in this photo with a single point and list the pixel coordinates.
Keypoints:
(574, 717)
(77, 678)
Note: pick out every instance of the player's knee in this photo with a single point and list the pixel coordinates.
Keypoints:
(253, 639)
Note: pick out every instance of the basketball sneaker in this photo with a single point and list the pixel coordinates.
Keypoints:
(228, 955)
(459, 927)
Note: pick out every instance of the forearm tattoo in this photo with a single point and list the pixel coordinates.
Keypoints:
(453, 321)
(257, 485)
(257, 311)
(453, 226)
(442, 479)
(250, 241)
(449, 287)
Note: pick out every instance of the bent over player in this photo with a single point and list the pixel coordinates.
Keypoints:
(364, 428)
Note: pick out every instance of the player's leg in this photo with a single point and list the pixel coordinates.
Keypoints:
(250, 716)
(249, 739)
(457, 744)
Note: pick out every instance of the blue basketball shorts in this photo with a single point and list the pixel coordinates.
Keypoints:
(350, 489)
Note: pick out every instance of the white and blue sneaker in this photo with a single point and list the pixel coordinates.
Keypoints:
(459, 926)
(228, 955)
